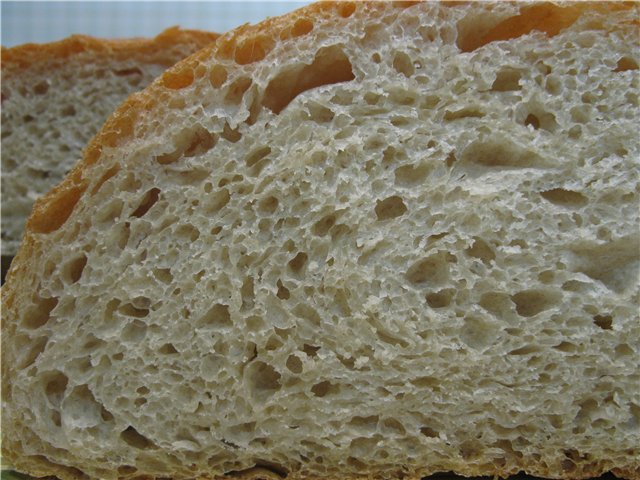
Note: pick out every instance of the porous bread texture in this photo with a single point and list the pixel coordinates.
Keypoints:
(57, 96)
(363, 240)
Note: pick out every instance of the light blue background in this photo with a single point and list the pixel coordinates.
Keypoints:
(24, 22)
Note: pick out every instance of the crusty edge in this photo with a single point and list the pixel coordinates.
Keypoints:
(148, 50)
(117, 130)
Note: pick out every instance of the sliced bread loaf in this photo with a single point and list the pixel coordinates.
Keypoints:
(56, 96)
(363, 240)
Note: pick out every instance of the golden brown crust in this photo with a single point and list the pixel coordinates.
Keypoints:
(146, 49)
(244, 45)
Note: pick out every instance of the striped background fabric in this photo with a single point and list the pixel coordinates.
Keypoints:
(46, 21)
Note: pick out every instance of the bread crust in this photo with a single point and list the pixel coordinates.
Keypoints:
(77, 55)
(25, 56)
(119, 129)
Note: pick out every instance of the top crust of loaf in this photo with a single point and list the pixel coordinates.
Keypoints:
(245, 45)
(43, 82)
(149, 50)
(250, 43)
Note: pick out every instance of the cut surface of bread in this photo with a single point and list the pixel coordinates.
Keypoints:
(56, 96)
(363, 240)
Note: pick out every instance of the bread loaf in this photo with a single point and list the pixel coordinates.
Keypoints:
(363, 240)
(56, 96)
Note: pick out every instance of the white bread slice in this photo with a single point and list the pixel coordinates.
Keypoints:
(364, 240)
(56, 96)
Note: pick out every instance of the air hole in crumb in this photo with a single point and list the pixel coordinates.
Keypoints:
(283, 292)
(320, 114)
(298, 262)
(257, 155)
(393, 426)
(441, 298)
(163, 274)
(428, 432)
(546, 276)
(626, 63)
(451, 159)
(167, 349)
(127, 470)
(526, 350)
(574, 286)
(322, 226)
(302, 26)
(229, 134)
(273, 343)
(605, 322)
(55, 388)
(356, 464)
(403, 64)
(190, 143)
(481, 250)
(111, 172)
(308, 313)
(134, 439)
(507, 79)
(324, 388)
(310, 350)
(247, 294)
(134, 332)
(478, 333)
(294, 364)
(339, 231)
(217, 76)
(275, 468)
(548, 18)
(391, 207)
(253, 49)
(566, 347)
(125, 72)
(531, 302)
(330, 66)
(40, 313)
(237, 89)
(568, 465)
(431, 270)
(263, 379)
(179, 78)
(268, 205)
(56, 418)
(469, 112)
(129, 310)
(369, 423)
(148, 200)
(372, 98)
(533, 121)
(30, 352)
(68, 111)
(614, 263)
(74, 268)
(41, 88)
(217, 316)
(564, 198)
(345, 9)
(500, 152)
(624, 350)
(215, 202)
